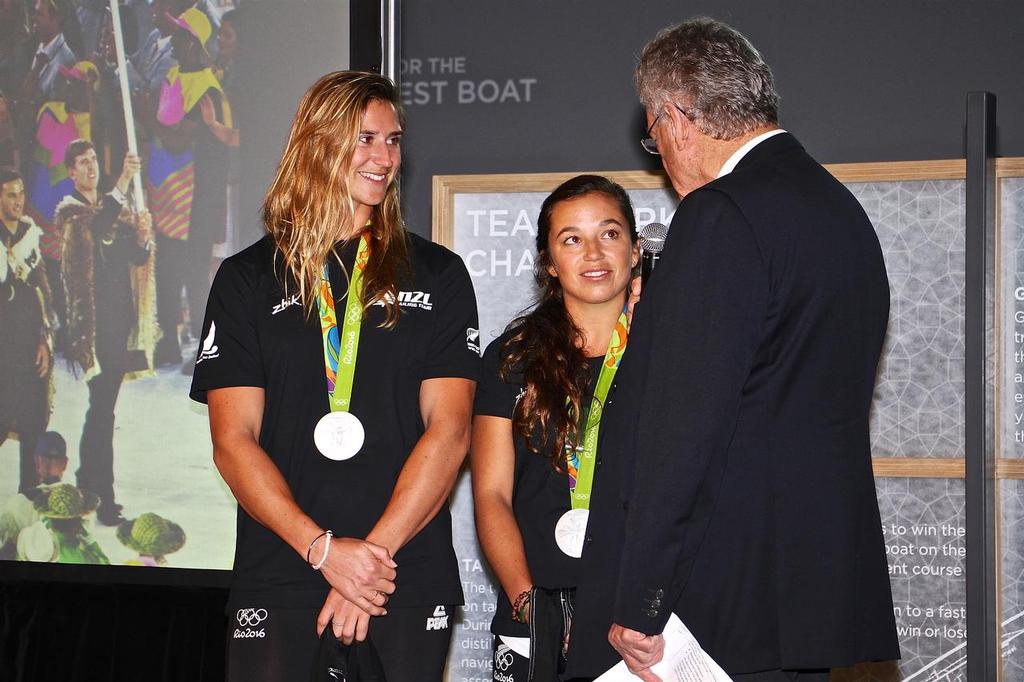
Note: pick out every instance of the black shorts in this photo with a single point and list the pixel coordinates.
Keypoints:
(279, 645)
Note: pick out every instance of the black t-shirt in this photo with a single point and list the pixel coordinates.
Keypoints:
(255, 336)
(540, 495)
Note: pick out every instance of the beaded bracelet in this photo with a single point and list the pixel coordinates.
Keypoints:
(520, 605)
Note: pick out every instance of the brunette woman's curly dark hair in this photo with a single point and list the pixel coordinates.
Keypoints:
(547, 346)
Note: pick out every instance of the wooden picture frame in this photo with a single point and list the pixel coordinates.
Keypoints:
(447, 187)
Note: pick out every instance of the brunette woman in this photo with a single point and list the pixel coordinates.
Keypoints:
(537, 416)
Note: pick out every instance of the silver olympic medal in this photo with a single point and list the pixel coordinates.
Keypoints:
(339, 435)
(571, 530)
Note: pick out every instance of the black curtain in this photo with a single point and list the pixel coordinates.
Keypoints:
(75, 632)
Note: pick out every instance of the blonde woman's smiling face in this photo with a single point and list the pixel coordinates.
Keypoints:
(377, 156)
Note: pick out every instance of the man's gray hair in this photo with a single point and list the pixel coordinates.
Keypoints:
(711, 71)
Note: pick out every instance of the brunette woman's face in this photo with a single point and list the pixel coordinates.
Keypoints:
(590, 249)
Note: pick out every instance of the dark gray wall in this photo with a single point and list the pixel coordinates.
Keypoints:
(284, 47)
(870, 80)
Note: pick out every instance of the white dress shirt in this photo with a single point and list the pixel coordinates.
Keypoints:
(730, 165)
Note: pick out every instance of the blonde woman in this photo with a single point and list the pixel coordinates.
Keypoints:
(340, 383)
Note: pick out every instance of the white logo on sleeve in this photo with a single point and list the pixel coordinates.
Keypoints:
(440, 619)
(249, 619)
(210, 349)
(473, 340)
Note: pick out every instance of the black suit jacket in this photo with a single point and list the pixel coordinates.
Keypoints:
(734, 481)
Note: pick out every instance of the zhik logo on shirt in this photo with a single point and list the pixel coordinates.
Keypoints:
(285, 303)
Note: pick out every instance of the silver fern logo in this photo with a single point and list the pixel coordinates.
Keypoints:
(210, 350)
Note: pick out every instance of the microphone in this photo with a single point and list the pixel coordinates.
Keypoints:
(652, 241)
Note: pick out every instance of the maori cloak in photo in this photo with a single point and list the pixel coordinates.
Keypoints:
(74, 221)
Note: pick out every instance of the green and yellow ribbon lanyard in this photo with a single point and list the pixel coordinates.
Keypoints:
(335, 436)
(571, 528)
(581, 471)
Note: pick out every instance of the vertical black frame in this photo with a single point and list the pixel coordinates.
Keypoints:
(365, 49)
(375, 30)
(983, 662)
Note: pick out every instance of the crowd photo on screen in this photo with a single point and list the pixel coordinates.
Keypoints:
(114, 216)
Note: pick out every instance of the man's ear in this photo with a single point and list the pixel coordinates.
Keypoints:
(679, 127)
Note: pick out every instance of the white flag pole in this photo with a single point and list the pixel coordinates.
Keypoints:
(126, 100)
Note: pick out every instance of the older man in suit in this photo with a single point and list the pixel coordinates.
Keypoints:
(735, 485)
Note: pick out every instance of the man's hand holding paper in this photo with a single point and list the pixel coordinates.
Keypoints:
(673, 656)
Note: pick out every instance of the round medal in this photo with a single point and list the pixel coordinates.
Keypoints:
(570, 532)
(339, 435)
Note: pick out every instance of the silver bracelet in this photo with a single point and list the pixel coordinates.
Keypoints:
(327, 550)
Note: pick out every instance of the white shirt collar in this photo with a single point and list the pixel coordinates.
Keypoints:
(730, 165)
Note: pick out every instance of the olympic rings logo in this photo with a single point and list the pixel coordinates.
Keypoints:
(503, 657)
(251, 617)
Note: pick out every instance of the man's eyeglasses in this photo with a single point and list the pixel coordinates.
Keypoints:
(650, 144)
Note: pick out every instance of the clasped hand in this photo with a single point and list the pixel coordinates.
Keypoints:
(361, 575)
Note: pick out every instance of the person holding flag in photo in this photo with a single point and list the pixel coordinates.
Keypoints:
(339, 360)
(106, 268)
(537, 412)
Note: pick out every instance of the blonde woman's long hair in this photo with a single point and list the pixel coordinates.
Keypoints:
(309, 203)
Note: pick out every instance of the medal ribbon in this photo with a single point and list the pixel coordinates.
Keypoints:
(581, 472)
(341, 348)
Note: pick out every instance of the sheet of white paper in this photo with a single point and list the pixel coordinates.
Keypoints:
(684, 660)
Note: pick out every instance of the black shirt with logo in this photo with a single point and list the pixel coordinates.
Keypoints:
(540, 495)
(254, 335)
